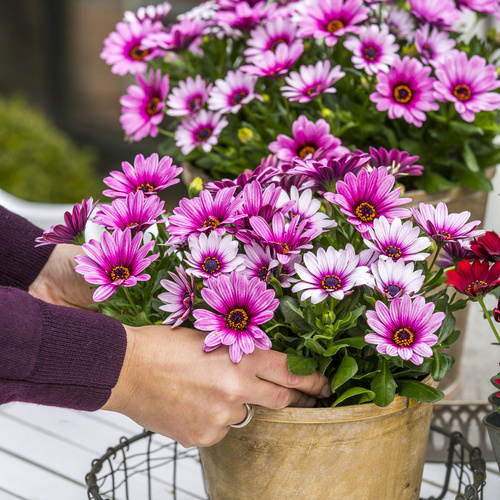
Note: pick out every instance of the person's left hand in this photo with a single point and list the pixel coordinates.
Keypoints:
(59, 283)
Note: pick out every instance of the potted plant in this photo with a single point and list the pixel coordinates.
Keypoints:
(336, 275)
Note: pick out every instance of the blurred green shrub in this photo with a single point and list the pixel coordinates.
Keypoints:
(40, 163)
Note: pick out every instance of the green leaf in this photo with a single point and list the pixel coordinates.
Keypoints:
(142, 320)
(466, 128)
(383, 385)
(292, 314)
(470, 158)
(354, 391)
(356, 342)
(448, 326)
(413, 389)
(314, 346)
(324, 363)
(347, 369)
(301, 366)
(474, 180)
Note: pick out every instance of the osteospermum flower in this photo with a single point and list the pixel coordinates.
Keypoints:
(310, 140)
(230, 93)
(311, 81)
(331, 19)
(441, 226)
(136, 212)
(242, 305)
(142, 107)
(405, 328)
(400, 23)
(367, 197)
(243, 16)
(147, 175)
(331, 273)
(118, 260)
(406, 91)
(124, 50)
(73, 229)
(491, 7)
(442, 14)
(394, 279)
(487, 247)
(213, 255)
(474, 279)
(153, 12)
(453, 252)
(374, 50)
(189, 97)
(180, 36)
(398, 163)
(205, 213)
(433, 46)
(259, 262)
(201, 130)
(468, 84)
(179, 297)
(397, 241)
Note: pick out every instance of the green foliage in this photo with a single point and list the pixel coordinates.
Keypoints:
(38, 162)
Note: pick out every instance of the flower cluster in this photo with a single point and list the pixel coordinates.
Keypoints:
(231, 82)
(339, 274)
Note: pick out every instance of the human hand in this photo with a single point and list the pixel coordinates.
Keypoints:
(170, 386)
(58, 282)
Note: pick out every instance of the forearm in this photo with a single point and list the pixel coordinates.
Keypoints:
(57, 356)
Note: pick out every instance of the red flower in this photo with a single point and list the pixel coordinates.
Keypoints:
(496, 312)
(476, 279)
(487, 247)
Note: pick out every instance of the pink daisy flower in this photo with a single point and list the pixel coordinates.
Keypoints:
(454, 252)
(400, 24)
(189, 97)
(142, 107)
(491, 7)
(405, 328)
(311, 140)
(202, 129)
(374, 50)
(468, 84)
(136, 212)
(242, 305)
(270, 35)
(274, 63)
(394, 240)
(367, 197)
(147, 175)
(442, 14)
(244, 16)
(179, 297)
(441, 226)
(124, 50)
(115, 261)
(179, 36)
(311, 81)
(433, 46)
(398, 163)
(153, 12)
(230, 93)
(406, 91)
(213, 255)
(331, 19)
(259, 262)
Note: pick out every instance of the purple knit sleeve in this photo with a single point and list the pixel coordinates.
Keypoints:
(20, 261)
(57, 356)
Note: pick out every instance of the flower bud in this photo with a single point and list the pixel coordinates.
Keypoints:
(328, 317)
(326, 113)
(245, 135)
(195, 188)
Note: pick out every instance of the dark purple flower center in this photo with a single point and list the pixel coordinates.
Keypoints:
(462, 92)
(334, 25)
(119, 273)
(445, 235)
(262, 274)
(306, 150)
(211, 265)
(314, 90)
(145, 188)
(186, 295)
(203, 134)
(153, 106)
(138, 54)
(194, 104)
(237, 319)
(403, 337)
(370, 53)
(428, 52)
(393, 252)
(365, 212)
(238, 97)
(476, 284)
(211, 222)
(275, 44)
(331, 282)
(392, 289)
(402, 94)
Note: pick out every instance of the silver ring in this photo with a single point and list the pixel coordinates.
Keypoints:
(247, 419)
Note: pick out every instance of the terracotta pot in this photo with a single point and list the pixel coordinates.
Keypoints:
(355, 452)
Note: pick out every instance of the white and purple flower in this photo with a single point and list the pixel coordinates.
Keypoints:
(396, 278)
(153, 12)
(259, 262)
(442, 14)
(189, 97)
(433, 46)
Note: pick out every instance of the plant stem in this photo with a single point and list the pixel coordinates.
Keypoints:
(165, 132)
(487, 314)
(127, 293)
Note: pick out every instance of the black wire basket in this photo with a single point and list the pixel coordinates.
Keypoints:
(147, 466)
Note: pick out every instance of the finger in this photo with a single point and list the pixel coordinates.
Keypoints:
(272, 366)
(269, 395)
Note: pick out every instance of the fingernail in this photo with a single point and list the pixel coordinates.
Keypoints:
(326, 392)
(311, 403)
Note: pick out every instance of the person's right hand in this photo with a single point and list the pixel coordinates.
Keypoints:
(170, 386)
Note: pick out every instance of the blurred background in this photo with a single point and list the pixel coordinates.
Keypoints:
(59, 102)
